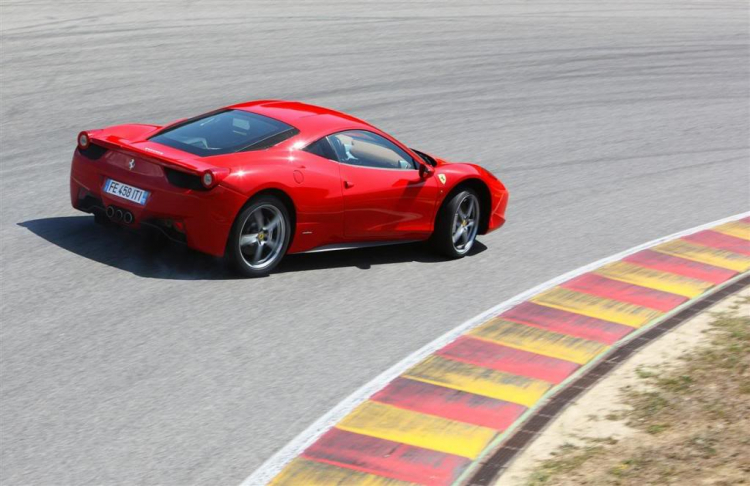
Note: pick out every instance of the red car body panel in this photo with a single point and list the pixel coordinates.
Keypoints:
(333, 203)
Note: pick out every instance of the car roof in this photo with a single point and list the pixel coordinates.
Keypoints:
(309, 119)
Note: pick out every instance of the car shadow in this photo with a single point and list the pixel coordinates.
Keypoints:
(127, 250)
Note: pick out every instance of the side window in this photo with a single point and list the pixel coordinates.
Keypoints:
(321, 148)
(367, 149)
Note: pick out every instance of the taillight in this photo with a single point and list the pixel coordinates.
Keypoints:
(208, 179)
(212, 177)
(83, 140)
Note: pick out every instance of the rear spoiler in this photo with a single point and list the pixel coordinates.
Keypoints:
(141, 149)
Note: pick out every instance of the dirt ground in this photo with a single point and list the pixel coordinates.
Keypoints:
(678, 412)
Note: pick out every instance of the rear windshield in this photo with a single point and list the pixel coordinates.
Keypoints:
(225, 132)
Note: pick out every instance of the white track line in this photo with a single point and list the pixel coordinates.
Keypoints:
(269, 469)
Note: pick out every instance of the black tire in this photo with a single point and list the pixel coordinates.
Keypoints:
(242, 261)
(448, 223)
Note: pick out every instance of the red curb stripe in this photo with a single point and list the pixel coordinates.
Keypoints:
(746, 220)
(502, 358)
(386, 458)
(600, 286)
(566, 322)
(714, 239)
(450, 404)
(680, 266)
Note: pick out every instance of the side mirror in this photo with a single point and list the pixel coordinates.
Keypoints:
(425, 171)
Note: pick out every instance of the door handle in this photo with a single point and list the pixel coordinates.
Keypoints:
(348, 184)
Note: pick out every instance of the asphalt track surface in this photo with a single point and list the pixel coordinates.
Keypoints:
(612, 123)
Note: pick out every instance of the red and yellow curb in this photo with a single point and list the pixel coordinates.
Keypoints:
(430, 424)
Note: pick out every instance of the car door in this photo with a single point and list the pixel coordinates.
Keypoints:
(384, 196)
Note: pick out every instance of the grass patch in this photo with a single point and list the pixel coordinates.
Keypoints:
(657, 428)
(568, 459)
(614, 416)
(643, 373)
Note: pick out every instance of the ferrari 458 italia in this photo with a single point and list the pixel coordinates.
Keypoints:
(255, 181)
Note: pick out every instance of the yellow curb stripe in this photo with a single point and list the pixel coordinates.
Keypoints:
(654, 279)
(597, 307)
(738, 229)
(539, 341)
(310, 473)
(479, 380)
(705, 254)
(418, 429)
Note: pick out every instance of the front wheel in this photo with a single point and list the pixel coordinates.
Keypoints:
(457, 225)
(259, 237)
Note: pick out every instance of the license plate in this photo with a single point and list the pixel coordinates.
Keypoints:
(125, 191)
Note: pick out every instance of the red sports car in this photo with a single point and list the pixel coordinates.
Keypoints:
(257, 180)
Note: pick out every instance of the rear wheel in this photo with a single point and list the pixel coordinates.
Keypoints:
(259, 237)
(457, 225)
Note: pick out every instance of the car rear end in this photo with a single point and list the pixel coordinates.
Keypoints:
(148, 185)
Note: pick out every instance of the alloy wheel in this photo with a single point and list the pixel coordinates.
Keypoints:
(262, 236)
(465, 223)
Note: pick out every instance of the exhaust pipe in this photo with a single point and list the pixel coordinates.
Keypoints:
(110, 212)
(118, 215)
(127, 217)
